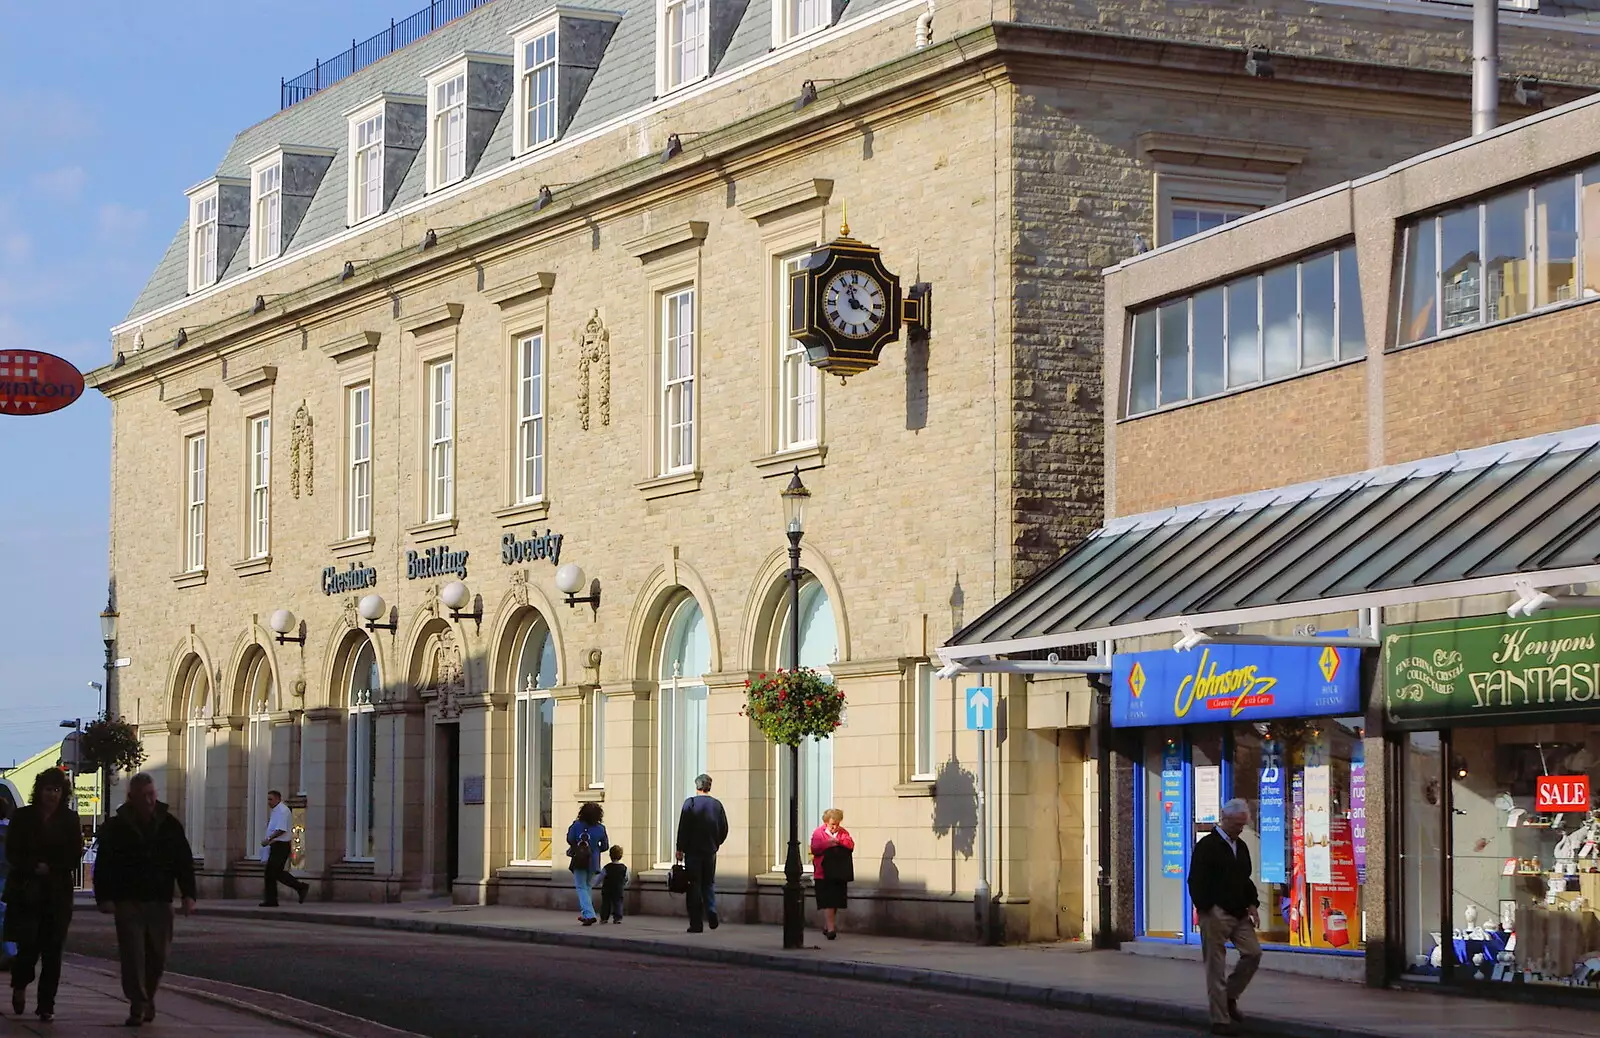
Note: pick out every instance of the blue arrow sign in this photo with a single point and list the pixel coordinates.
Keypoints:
(980, 709)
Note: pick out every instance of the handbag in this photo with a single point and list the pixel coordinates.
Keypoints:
(839, 864)
(678, 879)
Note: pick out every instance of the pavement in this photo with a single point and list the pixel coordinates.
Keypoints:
(1064, 975)
(89, 1004)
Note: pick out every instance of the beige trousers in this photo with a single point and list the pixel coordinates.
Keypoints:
(1217, 928)
(144, 933)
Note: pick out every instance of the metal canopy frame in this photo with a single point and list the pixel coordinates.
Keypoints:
(1519, 518)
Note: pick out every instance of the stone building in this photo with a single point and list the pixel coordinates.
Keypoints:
(511, 296)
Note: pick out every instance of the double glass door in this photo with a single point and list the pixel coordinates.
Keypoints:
(1304, 781)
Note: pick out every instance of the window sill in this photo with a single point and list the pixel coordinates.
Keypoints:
(516, 515)
(670, 486)
(784, 462)
(594, 793)
(251, 567)
(1468, 329)
(194, 578)
(525, 870)
(437, 530)
(351, 547)
(1178, 405)
(916, 788)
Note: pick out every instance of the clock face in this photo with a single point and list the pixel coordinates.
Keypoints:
(854, 304)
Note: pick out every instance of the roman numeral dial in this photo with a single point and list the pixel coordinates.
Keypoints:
(855, 304)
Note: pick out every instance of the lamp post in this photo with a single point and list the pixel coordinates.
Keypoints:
(795, 496)
(108, 634)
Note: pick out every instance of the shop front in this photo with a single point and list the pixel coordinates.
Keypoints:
(1499, 724)
(1278, 727)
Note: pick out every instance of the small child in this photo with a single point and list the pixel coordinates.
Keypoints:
(612, 884)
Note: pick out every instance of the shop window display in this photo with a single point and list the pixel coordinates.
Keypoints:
(1524, 870)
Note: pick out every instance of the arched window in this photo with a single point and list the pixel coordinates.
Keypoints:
(362, 682)
(681, 708)
(819, 650)
(533, 807)
(257, 705)
(197, 742)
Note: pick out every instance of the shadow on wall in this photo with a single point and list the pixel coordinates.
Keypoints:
(955, 806)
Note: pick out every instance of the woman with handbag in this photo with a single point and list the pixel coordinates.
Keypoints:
(43, 846)
(586, 841)
(833, 868)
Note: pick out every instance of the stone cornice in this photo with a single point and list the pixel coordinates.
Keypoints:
(667, 238)
(183, 403)
(628, 689)
(1251, 156)
(816, 191)
(347, 346)
(433, 317)
(513, 292)
(892, 667)
(566, 692)
(254, 378)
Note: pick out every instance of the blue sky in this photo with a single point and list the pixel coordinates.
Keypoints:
(109, 110)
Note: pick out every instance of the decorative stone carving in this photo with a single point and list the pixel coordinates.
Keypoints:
(449, 679)
(594, 350)
(352, 613)
(519, 587)
(302, 452)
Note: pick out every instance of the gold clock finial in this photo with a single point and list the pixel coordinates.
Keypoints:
(844, 222)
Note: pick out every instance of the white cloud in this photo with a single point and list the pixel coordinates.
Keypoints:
(119, 224)
(65, 183)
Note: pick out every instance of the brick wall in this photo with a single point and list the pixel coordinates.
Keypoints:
(1290, 432)
(1520, 379)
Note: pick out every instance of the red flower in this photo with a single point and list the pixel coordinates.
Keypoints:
(782, 694)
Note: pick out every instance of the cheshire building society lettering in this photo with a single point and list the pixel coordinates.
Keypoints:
(356, 578)
(513, 551)
(436, 562)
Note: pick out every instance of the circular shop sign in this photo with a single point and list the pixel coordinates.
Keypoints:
(36, 383)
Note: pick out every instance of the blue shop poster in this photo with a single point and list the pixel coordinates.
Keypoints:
(1172, 812)
(1273, 865)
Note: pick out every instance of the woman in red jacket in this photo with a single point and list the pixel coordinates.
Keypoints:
(833, 865)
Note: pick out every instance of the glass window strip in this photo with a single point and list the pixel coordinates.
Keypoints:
(1164, 359)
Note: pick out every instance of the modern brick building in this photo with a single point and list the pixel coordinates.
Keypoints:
(1353, 472)
(511, 296)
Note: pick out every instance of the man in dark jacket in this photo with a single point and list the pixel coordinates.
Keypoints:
(143, 854)
(702, 828)
(1224, 895)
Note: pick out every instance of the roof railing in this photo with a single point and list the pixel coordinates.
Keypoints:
(364, 52)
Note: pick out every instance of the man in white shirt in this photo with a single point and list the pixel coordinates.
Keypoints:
(278, 842)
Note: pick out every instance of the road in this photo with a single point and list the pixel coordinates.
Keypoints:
(453, 987)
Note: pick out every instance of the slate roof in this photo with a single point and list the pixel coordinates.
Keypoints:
(625, 80)
(1523, 507)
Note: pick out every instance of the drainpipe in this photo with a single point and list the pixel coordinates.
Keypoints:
(925, 27)
(1485, 65)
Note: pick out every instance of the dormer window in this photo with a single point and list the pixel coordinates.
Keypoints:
(539, 89)
(466, 97)
(792, 19)
(219, 213)
(385, 135)
(556, 54)
(367, 155)
(686, 30)
(266, 212)
(449, 130)
(203, 241)
(282, 183)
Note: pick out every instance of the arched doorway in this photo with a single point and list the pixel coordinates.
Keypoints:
(681, 716)
(257, 702)
(533, 721)
(819, 650)
(197, 709)
(361, 683)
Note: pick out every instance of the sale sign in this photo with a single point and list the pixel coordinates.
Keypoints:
(1561, 793)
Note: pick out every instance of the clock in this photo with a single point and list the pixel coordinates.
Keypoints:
(845, 305)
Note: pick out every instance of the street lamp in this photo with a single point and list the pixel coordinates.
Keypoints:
(108, 634)
(795, 496)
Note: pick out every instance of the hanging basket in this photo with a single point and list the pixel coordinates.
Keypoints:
(112, 744)
(791, 705)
